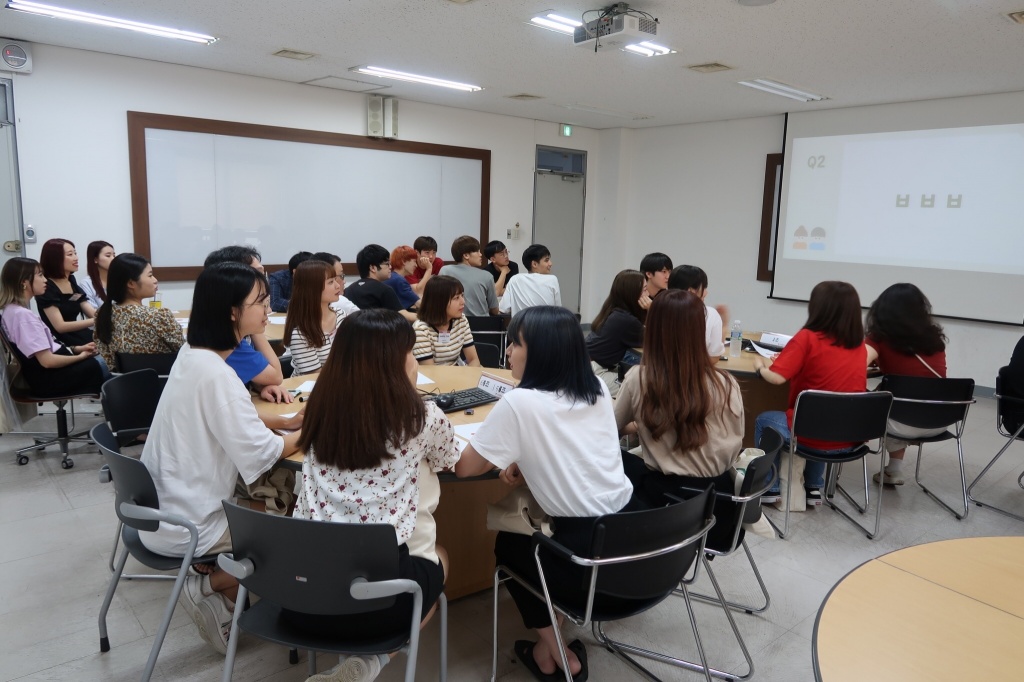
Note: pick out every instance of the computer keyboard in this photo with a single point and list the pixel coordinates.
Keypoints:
(464, 399)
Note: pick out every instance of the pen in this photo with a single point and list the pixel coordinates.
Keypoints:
(295, 392)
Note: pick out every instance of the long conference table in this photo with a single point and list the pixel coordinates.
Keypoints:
(274, 332)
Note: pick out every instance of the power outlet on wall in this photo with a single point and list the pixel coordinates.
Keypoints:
(512, 232)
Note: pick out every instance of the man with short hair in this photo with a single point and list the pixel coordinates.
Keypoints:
(236, 253)
(656, 268)
(281, 282)
(369, 291)
(501, 269)
(481, 299)
(535, 287)
(695, 280)
(427, 262)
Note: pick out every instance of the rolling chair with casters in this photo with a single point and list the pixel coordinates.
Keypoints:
(1010, 425)
(933, 403)
(320, 568)
(840, 418)
(138, 507)
(644, 558)
(21, 393)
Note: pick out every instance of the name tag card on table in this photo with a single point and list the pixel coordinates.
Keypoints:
(495, 385)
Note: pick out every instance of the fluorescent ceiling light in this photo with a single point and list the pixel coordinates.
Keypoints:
(782, 90)
(649, 49)
(101, 20)
(381, 72)
(554, 22)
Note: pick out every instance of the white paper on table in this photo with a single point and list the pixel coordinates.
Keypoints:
(277, 320)
(305, 387)
(183, 323)
(467, 431)
(423, 379)
(763, 351)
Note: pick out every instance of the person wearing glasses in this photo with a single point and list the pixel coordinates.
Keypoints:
(500, 267)
(370, 291)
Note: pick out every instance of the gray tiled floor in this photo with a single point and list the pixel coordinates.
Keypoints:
(56, 527)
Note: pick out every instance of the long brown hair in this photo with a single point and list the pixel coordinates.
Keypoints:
(364, 401)
(92, 252)
(679, 386)
(834, 310)
(624, 295)
(437, 294)
(305, 311)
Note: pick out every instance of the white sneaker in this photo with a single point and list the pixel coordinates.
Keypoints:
(213, 619)
(191, 594)
(353, 669)
(890, 479)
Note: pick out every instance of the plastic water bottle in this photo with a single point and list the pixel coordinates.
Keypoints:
(736, 339)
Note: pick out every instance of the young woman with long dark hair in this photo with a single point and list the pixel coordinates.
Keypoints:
(555, 431)
(689, 415)
(827, 354)
(98, 256)
(63, 303)
(123, 324)
(50, 368)
(442, 330)
(904, 339)
(311, 325)
(618, 327)
(363, 459)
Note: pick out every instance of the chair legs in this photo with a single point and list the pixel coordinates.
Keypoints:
(63, 438)
(130, 576)
(165, 622)
(1020, 480)
(831, 487)
(963, 482)
(746, 608)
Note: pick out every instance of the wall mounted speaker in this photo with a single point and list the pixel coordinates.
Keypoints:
(390, 117)
(375, 116)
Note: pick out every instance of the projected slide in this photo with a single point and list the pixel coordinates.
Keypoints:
(947, 199)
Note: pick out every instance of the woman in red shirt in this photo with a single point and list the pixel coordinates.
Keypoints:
(903, 339)
(828, 354)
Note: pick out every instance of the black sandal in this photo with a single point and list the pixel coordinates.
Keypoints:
(524, 652)
(576, 646)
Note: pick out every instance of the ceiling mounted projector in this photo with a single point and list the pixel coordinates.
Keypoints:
(617, 27)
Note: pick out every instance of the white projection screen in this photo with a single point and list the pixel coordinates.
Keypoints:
(922, 192)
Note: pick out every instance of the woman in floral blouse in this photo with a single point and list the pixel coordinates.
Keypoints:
(366, 433)
(123, 324)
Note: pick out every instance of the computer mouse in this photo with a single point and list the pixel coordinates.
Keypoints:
(445, 400)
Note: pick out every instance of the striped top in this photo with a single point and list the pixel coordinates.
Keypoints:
(305, 358)
(444, 351)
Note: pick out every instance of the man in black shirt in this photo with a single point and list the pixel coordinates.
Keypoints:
(500, 267)
(369, 291)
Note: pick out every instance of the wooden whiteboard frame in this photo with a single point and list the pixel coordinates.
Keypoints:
(138, 122)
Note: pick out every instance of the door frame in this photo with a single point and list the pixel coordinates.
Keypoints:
(583, 214)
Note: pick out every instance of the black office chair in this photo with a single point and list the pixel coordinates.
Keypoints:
(129, 403)
(490, 329)
(840, 418)
(138, 507)
(644, 558)
(489, 355)
(319, 568)
(132, 362)
(20, 392)
(1010, 425)
(933, 403)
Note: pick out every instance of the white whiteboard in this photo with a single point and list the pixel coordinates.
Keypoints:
(206, 191)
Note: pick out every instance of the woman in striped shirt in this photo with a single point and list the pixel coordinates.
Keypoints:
(442, 331)
(311, 324)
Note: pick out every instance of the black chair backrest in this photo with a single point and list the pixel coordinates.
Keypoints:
(308, 566)
(132, 480)
(17, 384)
(841, 417)
(628, 533)
(489, 354)
(132, 362)
(130, 400)
(485, 323)
(925, 415)
(1010, 402)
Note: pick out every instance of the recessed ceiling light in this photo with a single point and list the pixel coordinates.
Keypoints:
(782, 90)
(381, 72)
(101, 20)
(556, 22)
(648, 49)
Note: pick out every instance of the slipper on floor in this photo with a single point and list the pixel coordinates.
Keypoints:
(524, 652)
(576, 646)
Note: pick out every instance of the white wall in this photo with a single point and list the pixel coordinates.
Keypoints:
(73, 147)
(695, 192)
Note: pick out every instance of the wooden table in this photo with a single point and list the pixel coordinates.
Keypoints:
(758, 395)
(950, 610)
(274, 333)
(461, 514)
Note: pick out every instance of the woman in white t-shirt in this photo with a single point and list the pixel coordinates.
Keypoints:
(556, 432)
(206, 435)
(311, 324)
(442, 331)
(363, 464)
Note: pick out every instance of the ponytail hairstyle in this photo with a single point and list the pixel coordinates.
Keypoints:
(125, 268)
(92, 252)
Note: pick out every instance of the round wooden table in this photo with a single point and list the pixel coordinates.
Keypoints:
(950, 610)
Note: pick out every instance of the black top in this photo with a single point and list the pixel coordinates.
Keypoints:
(370, 293)
(70, 307)
(81, 378)
(513, 270)
(619, 333)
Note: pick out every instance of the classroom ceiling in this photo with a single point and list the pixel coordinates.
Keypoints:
(853, 52)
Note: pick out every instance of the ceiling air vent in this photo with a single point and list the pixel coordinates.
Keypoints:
(710, 67)
(294, 54)
(1017, 16)
(524, 97)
